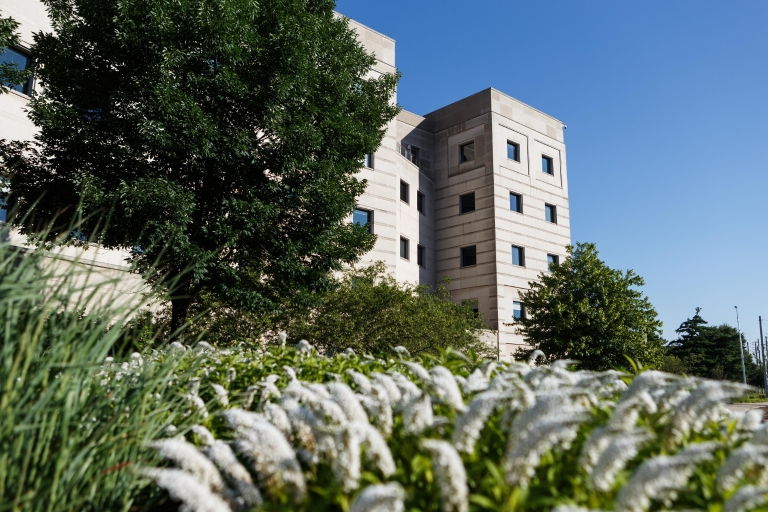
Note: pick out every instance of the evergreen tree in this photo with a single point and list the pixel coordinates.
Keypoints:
(219, 140)
(713, 351)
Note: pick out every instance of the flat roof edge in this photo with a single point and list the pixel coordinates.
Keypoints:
(500, 92)
(365, 26)
(527, 105)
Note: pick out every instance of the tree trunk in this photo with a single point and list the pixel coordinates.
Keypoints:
(181, 298)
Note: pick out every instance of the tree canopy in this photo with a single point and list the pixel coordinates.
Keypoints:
(584, 310)
(219, 141)
(713, 352)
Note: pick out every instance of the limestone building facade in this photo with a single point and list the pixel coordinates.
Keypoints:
(476, 190)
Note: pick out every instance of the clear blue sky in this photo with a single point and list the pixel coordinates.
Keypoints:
(667, 115)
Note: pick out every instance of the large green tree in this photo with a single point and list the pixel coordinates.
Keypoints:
(713, 351)
(218, 139)
(584, 310)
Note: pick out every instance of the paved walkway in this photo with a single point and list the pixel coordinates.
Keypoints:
(742, 408)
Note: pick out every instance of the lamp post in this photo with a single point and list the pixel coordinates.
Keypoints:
(741, 346)
(762, 356)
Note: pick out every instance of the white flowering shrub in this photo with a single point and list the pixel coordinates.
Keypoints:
(195, 428)
(289, 429)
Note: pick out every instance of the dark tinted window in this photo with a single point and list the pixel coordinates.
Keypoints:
(516, 202)
(363, 217)
(546, 165)
(420, 259)
(513, 151)
(550, 213)
(404, 248)
(420, 202)
(553, 259)
(468, 256)
(518, 256)
(368, 161)
(11, 56)
(467, 203)
(404, 194)
(467, 152)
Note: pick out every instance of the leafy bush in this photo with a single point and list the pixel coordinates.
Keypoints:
(370, 312)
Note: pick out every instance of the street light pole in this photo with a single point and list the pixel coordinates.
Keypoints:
(762, 356)
(741, 346)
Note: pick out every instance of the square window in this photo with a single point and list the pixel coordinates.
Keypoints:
(420, 258)
(368, 162)
(513, 151)
(474, 305)
(469, 256)
(518, 256)
(515, 202)
(547, 165)
(23, 62)
(467, 152)
(404, 248)
(404, 193)
(364, 218)
(552, 259)
(550, 213)
(518, 310)
(420, 202)
(467, 203)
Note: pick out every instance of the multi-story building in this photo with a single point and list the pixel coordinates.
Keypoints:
(476, 191)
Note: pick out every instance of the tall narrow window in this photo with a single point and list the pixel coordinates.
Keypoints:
(547, 166)
(552, 259)
(518, 256)
(421, 260)
(515, 202)
(467, 152)
(420, 202)
(518, 311)
(513, 151)
(404, 193)
(404, 249)
(415, 155)
(368, 162)
(550, 213)
(363, 218)
(3, 188)
(467, 203)
(469, 256)
(23, 62)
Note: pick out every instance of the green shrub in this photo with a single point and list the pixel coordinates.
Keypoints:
(370, 312)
